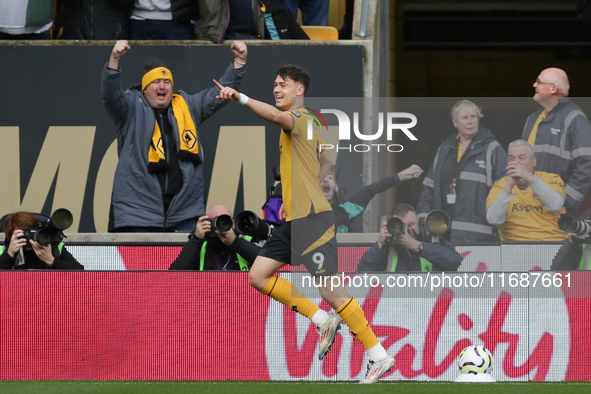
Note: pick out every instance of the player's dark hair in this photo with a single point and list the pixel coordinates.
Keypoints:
(296, 74)
(400, 210)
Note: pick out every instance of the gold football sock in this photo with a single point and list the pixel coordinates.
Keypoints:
(286, 293)
(353, 315)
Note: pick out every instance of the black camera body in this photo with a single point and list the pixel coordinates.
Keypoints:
(42, 236)
(221, 223)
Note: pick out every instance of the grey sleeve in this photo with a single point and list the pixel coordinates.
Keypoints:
(552, 199)
(116, 101)
(578, 183)
(497, 211)
(204, 104)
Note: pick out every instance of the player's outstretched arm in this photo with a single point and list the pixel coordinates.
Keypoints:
(260, 109)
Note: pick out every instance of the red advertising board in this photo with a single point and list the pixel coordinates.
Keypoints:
(214, 326)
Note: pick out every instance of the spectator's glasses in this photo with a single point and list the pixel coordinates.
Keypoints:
(540, 82)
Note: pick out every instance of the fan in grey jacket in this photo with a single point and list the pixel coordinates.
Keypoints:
(460, 187)
(158, 183)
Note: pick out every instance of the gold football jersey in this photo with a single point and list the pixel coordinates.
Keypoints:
(300, 166)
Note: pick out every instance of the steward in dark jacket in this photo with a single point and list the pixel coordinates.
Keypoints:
(563, 147)
(482, 164)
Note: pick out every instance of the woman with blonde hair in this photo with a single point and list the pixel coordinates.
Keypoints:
(466, 166)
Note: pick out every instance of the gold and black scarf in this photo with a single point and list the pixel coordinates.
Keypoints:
(189, 145)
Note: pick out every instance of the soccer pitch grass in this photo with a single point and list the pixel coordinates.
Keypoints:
(248, 387)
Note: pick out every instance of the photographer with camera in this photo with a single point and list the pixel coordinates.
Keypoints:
(407, 249)
(215, 245)
(35, 243)
(575, 253)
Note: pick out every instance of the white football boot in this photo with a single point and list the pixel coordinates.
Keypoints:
(328, 333)
(376, 370)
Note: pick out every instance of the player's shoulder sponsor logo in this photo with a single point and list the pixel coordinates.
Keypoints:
(296, 113)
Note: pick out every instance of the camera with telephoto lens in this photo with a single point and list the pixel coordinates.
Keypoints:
(221, 223)
(248, 223)
(570, 224)
(436, 224)
(50, 229)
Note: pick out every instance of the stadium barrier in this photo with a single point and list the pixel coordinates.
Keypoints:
(131, 256)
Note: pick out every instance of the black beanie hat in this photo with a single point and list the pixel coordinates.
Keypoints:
(152, 63)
